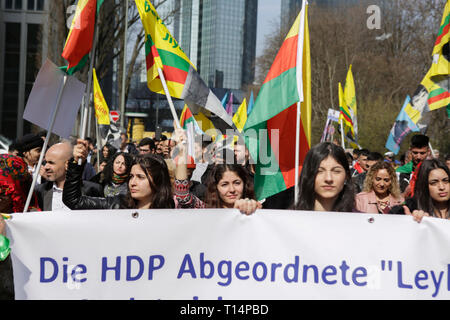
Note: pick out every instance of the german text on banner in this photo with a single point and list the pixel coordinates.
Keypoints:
(222, 254)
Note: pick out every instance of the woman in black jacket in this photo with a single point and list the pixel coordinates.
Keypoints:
(149, 185)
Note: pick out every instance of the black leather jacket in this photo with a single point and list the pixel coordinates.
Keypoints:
(73, 198)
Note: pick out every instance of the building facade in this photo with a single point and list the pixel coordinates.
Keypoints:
(20, 60)
(219, 36)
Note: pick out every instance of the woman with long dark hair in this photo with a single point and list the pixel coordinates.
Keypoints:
(325, 181)
(149, 185)
(227, 185)
(114, 177)
(431, 192)
(108, 151)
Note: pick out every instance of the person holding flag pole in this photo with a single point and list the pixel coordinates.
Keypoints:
(281, 111)
(170, 72)
(81, 42)
(47, 138)
(78, 44)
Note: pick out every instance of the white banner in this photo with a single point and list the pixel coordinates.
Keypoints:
(222, 254)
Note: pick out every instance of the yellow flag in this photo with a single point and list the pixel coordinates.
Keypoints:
(240, 117)
(444, 31)
(162, 52)
(101, 108)
(344, 113)
(350, 98)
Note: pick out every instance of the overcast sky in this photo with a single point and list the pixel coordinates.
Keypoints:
(268, 14)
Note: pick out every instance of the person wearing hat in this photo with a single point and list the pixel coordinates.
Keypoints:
(30, 147)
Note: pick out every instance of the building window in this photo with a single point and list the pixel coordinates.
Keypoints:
(40, 5)
(11, 79)
(18, 4)
(8, 4)
(30, 5)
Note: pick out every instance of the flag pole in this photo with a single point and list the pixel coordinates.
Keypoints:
(432, 151)
(98, 144)
(169, 98)
(297, 156)
(47, 138)
(342, 135)
(122, 97)
(87, 97)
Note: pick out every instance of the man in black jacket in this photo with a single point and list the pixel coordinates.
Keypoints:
(49, 194)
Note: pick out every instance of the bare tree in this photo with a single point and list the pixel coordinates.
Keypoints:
(111, 35)
(385, 71)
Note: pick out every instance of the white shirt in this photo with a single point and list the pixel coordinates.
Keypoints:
(57, 203)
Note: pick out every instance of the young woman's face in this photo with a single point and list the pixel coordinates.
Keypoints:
(230, 188)
(105, 152)
(138, 184)
(119, 166)
(381, 182)
(330, 179)
(438, 184)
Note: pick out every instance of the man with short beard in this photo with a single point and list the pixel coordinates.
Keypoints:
(50, 193)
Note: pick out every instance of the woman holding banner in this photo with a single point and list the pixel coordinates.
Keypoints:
(15, 183)
(149, 185)
(227, 186)
(431, 192)
(325, 182)
(6, 274)
(381, 191)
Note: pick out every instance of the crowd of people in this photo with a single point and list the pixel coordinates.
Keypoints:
(161, 174)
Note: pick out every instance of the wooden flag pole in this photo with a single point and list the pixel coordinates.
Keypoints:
(47, 138)
(169, 98)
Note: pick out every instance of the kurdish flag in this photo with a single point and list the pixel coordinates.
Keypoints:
(345, 115)
(439, 89)
(240, 117)
(350, 99)
(444, 30)
(101, 108)
(188, 123)
(271, 126)
(163, 52)
(81, 35)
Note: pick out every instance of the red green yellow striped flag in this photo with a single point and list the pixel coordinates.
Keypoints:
(344, 114)
(347, 120)
(444, 30)
(183, 82)
(271, 126)
(79, 41)
(439, 79)
(186, 117)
